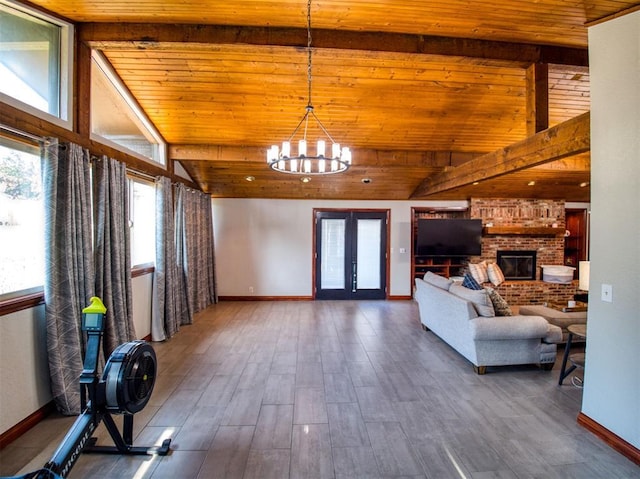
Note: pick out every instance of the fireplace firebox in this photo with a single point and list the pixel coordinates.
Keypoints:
(517, 265)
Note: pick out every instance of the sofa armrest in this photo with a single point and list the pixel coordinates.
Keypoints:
(554, 334)
(508, 327)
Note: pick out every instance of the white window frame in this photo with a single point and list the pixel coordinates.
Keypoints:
(36, 144)
(131, 179)
(67, 33)
(140, 116)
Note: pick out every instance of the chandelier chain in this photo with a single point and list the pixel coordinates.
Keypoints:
(304, 163)
(309, 50)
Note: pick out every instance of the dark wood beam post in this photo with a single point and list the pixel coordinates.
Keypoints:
(82, 90)
(537, 98)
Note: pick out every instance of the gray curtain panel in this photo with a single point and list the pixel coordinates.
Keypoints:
(165, 317)
(194, 242)
(69, 273)
(112, 251)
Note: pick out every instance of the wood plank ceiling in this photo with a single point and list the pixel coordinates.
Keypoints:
(415, 88)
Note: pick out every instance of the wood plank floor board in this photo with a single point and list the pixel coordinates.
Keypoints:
(274, 427)
(279, 389)
(244, 407)
(355, 462)
(182, 464)
(310, 406)
(229, 452)
(198, 431)
(340, 390)
(309, 375)
(311, 456)
(346, 426)
(394, 454)
(219, 391)
(268, 464)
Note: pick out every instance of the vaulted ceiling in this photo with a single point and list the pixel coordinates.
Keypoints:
(436, 99)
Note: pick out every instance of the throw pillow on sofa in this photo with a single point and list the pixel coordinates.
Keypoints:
(500, 306)
(437, 280)
(479, 272)
(470, 282)
(495, 274)
(479, 298)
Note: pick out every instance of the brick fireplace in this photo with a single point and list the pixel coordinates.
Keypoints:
(549, 248)
(525, 213)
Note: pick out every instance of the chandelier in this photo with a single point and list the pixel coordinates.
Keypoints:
(304, 163)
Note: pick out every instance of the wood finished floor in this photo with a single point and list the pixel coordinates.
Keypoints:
(338, 389)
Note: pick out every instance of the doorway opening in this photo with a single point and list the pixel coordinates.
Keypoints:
(350, 254)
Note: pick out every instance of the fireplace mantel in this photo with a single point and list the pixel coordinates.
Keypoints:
(523, 230)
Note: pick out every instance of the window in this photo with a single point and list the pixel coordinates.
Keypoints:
(35, 61)
(117, 118)
(142, 218)
(21, 218)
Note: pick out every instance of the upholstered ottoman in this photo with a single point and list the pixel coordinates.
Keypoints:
(556, 317)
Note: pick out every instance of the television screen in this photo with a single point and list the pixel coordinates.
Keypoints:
(449, 237)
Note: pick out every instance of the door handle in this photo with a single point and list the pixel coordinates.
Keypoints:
(354, 277)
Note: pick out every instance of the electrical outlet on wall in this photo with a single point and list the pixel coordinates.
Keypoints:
(251, 289)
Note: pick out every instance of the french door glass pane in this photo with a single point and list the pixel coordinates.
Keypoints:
(332, 267)
(368, 261)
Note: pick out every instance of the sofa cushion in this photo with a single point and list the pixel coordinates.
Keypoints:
(479, 298)
(437, 280)
(495, 274)
(479, 271)
(500, 306)
(470, 282)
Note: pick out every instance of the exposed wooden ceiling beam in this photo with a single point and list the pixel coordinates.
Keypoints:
(365, 157)
(569, 138)
(537, 79)
(166, 36)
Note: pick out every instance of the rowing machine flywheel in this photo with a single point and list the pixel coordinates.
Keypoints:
(129, 376)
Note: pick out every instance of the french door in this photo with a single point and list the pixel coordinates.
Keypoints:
(351, 254)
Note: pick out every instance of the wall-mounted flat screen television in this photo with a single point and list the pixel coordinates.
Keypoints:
(449, 237)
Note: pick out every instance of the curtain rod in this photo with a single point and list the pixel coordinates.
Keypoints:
(23, 134)
(140, 174)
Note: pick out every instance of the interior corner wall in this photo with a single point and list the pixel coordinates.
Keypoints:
(264, 247)
(612, 379)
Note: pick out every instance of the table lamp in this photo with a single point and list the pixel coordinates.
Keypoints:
(583, 282)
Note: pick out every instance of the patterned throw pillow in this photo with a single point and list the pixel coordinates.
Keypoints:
(495, 274)
(500, 306)
(470, 282)
(479, 272)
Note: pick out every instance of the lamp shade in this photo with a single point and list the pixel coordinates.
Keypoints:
(583, 276)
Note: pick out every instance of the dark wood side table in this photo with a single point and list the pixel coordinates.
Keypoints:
(579, 330)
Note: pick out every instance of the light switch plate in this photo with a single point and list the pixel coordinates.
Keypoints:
(607, 293)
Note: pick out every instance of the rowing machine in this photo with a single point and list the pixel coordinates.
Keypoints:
(125, 388)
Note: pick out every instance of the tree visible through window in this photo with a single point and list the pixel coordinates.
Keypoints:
(21, 218)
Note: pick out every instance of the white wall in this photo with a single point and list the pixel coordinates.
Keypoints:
(612, 377)
(24, 374)
(142, 289)
(267, 244)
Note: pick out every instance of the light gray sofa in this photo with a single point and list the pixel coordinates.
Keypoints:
(484, 340)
